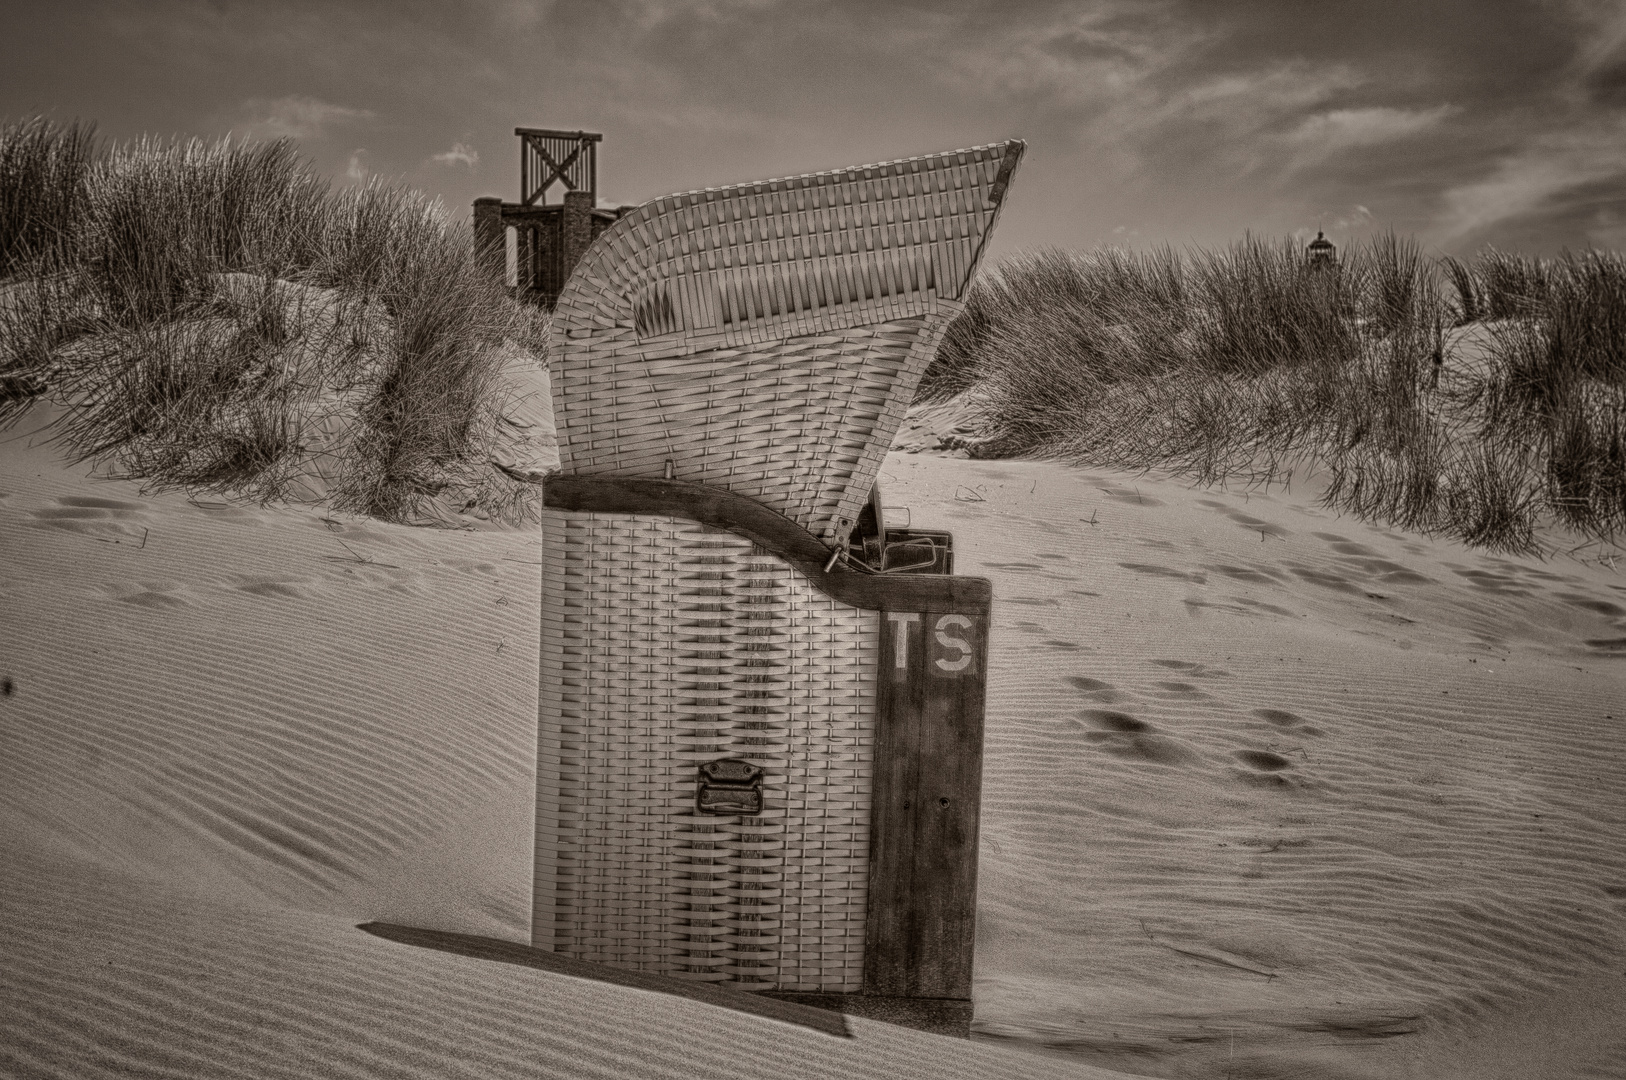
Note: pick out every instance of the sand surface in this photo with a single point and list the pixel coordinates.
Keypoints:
(1269, 793)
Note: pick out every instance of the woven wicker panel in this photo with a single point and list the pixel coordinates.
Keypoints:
(767, 338)
(666, 644)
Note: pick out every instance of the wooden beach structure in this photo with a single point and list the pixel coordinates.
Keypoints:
(761, 708)
(549, 238)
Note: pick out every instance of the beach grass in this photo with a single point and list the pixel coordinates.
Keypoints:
(1246, 361)
(215, 312)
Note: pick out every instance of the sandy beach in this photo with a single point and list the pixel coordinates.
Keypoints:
(1269, 792)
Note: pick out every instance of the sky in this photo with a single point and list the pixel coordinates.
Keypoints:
(1463, 123)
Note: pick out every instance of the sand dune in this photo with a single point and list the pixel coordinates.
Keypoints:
(1286, 794)
(1269, 793)
(233, 735)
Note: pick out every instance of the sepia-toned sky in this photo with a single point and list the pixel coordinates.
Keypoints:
(1462, 122)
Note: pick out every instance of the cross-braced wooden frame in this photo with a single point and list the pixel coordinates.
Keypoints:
(548, 157)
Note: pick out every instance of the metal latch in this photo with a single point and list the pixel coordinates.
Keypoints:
(729, 786)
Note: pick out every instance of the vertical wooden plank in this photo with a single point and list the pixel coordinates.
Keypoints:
(931, 693)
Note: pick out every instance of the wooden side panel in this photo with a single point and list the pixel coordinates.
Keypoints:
(931, 693)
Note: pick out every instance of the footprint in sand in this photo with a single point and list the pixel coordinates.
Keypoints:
(1496, 583)
(1195, 671)
(1258, 525)
(271, 588)
(1287, 721)
(1180, 689)
(1324, 579)
(1095, 689)
(1602, 607)
(1128, 737)
(1392, 573)
(150, 598)
(1130, 495)
(1267, 768)
(1163, 571)
(1257, 575)
(107, 520)
(1263, 760)
(87, 501)
(226, 512)
(1372, 563)
(1260, 605)
(1235, 605)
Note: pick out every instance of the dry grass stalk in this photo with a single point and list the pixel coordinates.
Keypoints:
(213, 311)
(1236, 363)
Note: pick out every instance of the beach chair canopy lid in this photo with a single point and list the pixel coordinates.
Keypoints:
(767, 337)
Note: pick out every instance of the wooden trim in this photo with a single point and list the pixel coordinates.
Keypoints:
(551, 133)
(775, 532)
(513, 212)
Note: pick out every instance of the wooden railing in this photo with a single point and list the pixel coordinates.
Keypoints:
(548, 157)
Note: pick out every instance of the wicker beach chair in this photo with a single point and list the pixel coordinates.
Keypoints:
(729, 367)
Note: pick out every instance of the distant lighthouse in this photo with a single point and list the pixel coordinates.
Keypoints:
(1321, 252)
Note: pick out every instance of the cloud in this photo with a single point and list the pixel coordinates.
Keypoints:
(356, 170)
(1537, 176)
(1599, 67)
(460, 154)
(297, 117)
(1322, 135)
(1192, 122)
(1357, 217)
(1069, 59)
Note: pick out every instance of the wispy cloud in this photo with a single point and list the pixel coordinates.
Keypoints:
(297, 117)
(1189, 121)
(1536, 176)
(460, 154)
(1323, 135)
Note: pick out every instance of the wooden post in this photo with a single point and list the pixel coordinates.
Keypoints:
(921, 929)
(576, 230)
(489, 245)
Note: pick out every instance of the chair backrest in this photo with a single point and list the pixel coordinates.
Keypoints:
(767, 338)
